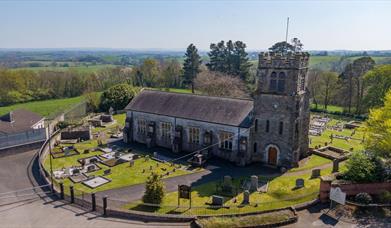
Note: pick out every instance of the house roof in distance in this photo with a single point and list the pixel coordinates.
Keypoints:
(18, 121)
(220, 110)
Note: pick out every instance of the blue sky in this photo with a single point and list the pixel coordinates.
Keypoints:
(354, 25)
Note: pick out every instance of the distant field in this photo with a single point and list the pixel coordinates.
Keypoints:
(45, 108)
(83, 69)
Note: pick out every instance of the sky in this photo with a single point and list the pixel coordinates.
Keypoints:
(173, 25)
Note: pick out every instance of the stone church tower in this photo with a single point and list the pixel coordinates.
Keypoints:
(281, 109)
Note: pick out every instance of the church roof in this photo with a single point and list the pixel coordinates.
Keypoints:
(220, 110)
(18, 121)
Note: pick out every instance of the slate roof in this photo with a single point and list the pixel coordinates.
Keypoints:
(19, 121)
(221, 110)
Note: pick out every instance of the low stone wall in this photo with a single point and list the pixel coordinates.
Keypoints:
(351, 189)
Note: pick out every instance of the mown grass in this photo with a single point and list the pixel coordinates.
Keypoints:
(46, 107)
(330, 108)
(312, 162)
(281, 193)
(246, 221)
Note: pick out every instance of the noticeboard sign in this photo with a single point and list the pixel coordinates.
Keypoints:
(337, 195)
(184, 191)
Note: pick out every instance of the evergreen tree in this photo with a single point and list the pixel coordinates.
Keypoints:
(191, 65)
(230, 58)
(154, 189)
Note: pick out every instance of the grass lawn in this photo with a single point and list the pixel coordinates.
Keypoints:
(45, 108)
(330, 108)
(245, 221)
(312, 162)
(281, 193)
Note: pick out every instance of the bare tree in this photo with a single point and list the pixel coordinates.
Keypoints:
(219, 84)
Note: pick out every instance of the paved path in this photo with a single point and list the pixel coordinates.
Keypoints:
(214, 171)
(19, 171)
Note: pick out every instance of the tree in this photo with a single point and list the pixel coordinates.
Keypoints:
(297, 45)
(328, 85)
(150, 71)
(378, 82)
(191, 65)
(93, 101)
(377, 129)
(314, 85)
(154, 189)
(282, 47)
(352, 78)
(117, 97)
(219, 84)
(170, 75)
(230, 58)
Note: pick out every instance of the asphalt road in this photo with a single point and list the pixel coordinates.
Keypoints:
(31, 209)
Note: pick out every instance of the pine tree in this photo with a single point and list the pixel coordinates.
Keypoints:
(154, 189)
(191, 65)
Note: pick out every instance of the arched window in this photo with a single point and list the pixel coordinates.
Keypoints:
(255, 147)
(267, 125)
(273, 82)
(281, 82)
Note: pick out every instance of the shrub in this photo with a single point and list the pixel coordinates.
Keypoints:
(360, 168)
(154, 189)
(385, 197)
(363, 198)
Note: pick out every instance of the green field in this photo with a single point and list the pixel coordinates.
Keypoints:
(81, 69)
(45, 108)
(330, 108)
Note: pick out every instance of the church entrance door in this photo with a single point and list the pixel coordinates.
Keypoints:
(272, 156)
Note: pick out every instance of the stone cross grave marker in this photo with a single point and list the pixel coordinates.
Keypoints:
(299, 183)
(217, 200)
(254, 183)
(315, 173)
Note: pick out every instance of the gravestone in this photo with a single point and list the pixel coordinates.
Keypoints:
(135, 156)
(299, 183)
(75, 171)
(93, 160)
(246, 197)
(217, 200)
(90, 168)
(315, 173)
(107, 172)
(155, 154)
(227, 184)
(117, 154)
(254, 183)
(131, 163)
(335, 166)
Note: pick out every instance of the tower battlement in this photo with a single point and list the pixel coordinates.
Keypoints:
(289, 60)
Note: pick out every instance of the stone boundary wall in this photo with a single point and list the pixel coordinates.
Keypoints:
(20, 148)
(351, 189)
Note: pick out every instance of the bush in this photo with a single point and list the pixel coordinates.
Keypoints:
(385, 197)
(360, 168)
(363, 198)
(117, 97)
(154, 189)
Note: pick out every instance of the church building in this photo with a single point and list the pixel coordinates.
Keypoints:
(272, 128)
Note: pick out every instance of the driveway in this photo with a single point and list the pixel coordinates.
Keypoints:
(31, 210)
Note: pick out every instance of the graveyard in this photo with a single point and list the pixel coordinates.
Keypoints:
(96, 165)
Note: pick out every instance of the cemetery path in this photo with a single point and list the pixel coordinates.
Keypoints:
(214, 171)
